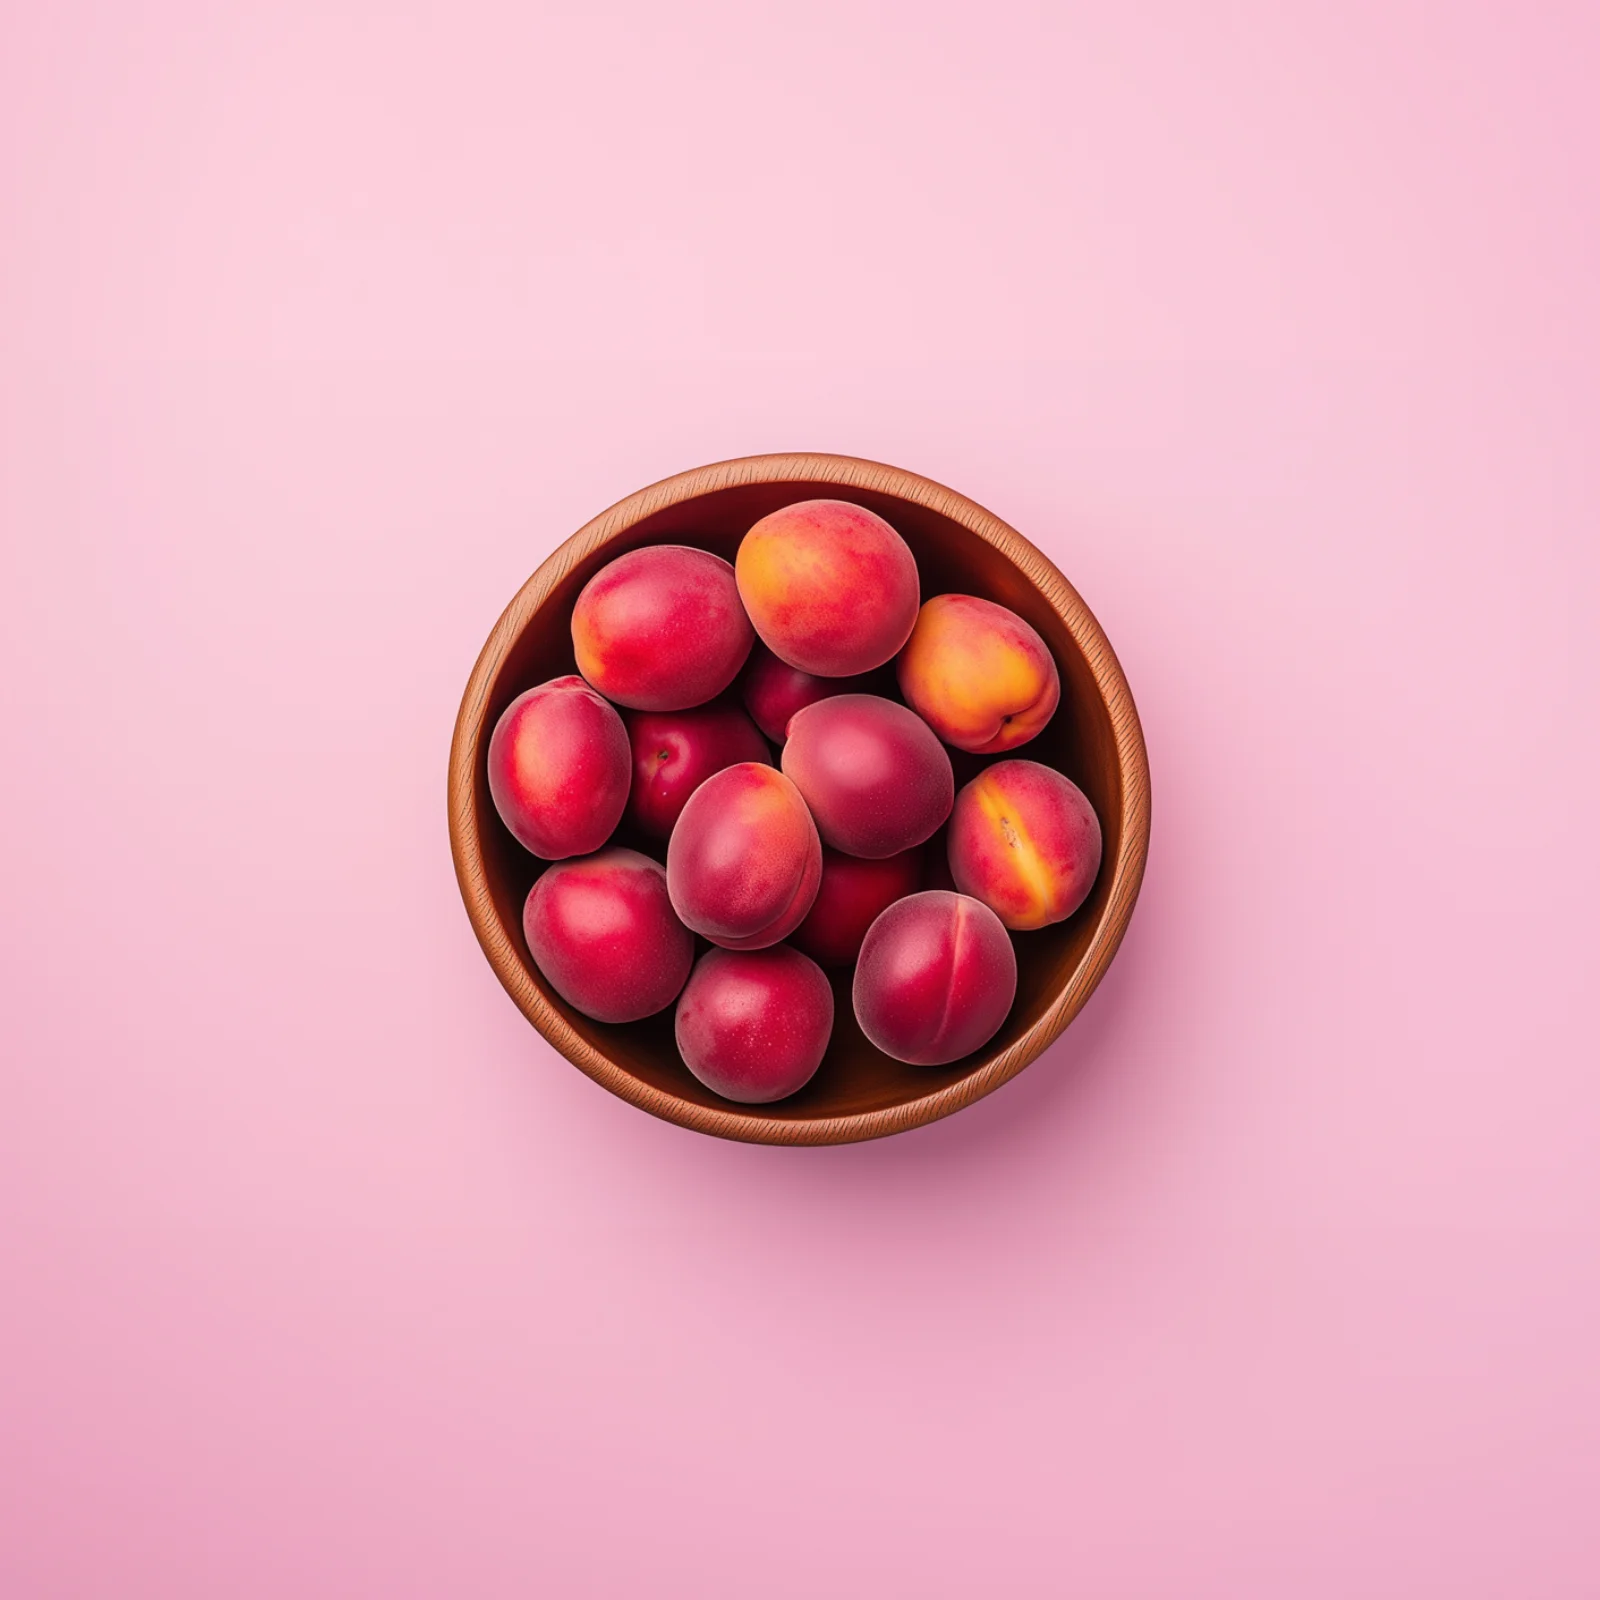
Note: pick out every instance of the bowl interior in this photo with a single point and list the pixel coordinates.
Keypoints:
(855, 1077)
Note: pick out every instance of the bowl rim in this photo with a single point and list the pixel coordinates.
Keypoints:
(848, 472)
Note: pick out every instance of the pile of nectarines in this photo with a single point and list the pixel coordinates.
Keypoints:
(825, 848)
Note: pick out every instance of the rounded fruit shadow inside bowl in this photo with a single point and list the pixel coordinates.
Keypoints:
(856, 1080)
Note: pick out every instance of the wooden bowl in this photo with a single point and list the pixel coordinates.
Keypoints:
(858, 1092)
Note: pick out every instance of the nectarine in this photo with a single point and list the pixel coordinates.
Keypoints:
(875, 777)
(559, 768)
(774, 691)
(674, 752)
(661, 628)
(830, 586)
(936, 978)
(744, 860)
(1025, 841)
(852, 893)
(602, 930)
(981, 677)
(753, 1025)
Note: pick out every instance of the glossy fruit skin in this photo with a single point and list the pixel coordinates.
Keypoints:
(853, 892)
(979, 675)
(674, 752)
(744, 860)
(1025, 840)
(661, 628)
(559, 768)
(830, 587)
(876, 778)
(603, 932)
(773, 691)
(936, 979)
(753, 1025)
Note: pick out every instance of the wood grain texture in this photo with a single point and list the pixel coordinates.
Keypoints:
(1095, 738)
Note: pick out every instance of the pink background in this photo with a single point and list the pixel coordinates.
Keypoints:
(1276, 325)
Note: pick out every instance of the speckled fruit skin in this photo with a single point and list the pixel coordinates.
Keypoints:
(936, 978)
(852, 893)
(753, 1025)
(559, 769)
(979, 675)
(1025, 841)
(603, 931)
(674, 752)
(830, 586)
(874, 775)
(661, 628)
(773, 691)
(744, 860)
